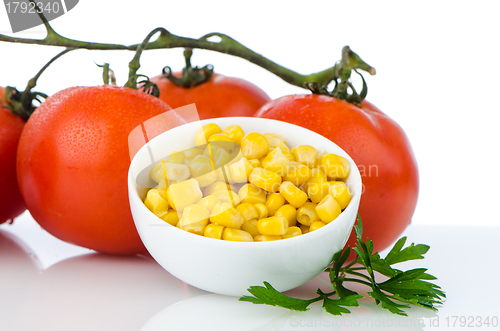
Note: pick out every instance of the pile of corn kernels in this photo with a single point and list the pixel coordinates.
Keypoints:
(251, 187)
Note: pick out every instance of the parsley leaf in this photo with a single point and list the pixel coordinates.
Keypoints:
(334, 306)
(394, 294)
(270, 296)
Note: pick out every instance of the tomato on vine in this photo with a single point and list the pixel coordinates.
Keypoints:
(73, 161)
(15, 108)
(376, 143)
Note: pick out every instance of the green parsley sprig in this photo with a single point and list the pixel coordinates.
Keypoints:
(394, 294)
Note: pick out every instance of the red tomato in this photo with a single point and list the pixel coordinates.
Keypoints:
(221, 96)
(380, 149)
(73, 162)
(11, 126)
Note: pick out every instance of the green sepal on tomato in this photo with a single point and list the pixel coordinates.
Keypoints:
(221, 96)
(73, 161)
(378, 146)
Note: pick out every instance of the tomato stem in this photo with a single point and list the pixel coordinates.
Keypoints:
(21, 103)
(341, 76)
(135, 64)
(339, 73)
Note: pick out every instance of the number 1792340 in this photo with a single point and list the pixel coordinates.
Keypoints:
(471, 321)
(32, 7)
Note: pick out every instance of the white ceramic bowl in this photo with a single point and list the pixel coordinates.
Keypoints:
(226, 267)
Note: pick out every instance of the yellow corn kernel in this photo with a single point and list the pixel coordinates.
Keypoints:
(217, 137)
(307, 214)
(156, 203)
(235, 132)
(276, 161)
(220, 157)
(226, 215)
(251, 227)
(171, 217)
(194, 219)
(328, 209)
(273, 202)
(239, 172)
(200, 165)
(265, 179)
(252, 194)
(213, 231)
(206, 179)
(335, 166)
(190, 153)
(254, 146)
(216, 186)
(209, 202)
(247, 211)
(201, 169)
(162, 188)
(276, 140)
(340, 192)
(316, 225)
(205, 133)
(289, 212)
(275, 226)
(304, 228)
(169, 171)
(297, 173)
(222, 152)
(289, 155)
(194, 213)
(255, 163)
(293, 231)
(227, 196)
(305, 155)
(262, 209)
(317, 191)
(317, 175)
(183, 194)
(264, 237)
(236, 235)
(295, 196)
(177, 157)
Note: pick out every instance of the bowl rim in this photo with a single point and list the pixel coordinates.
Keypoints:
(354, 203)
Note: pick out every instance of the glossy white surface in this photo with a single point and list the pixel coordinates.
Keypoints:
(229, 268)
(48, 285)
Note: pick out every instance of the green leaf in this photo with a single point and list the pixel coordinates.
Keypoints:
(405, 276)
(339, 259)
(387, 303)
(334, 306)
(269, 296)
(358, 228)
(409, 287)
(412, 252)
(380, 265)
(363, 254)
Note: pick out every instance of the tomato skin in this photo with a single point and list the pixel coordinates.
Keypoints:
(11, 126)
(378, 146)
(221, 96)
(73, 162)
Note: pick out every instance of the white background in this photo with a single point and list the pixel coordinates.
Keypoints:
(437, 71)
